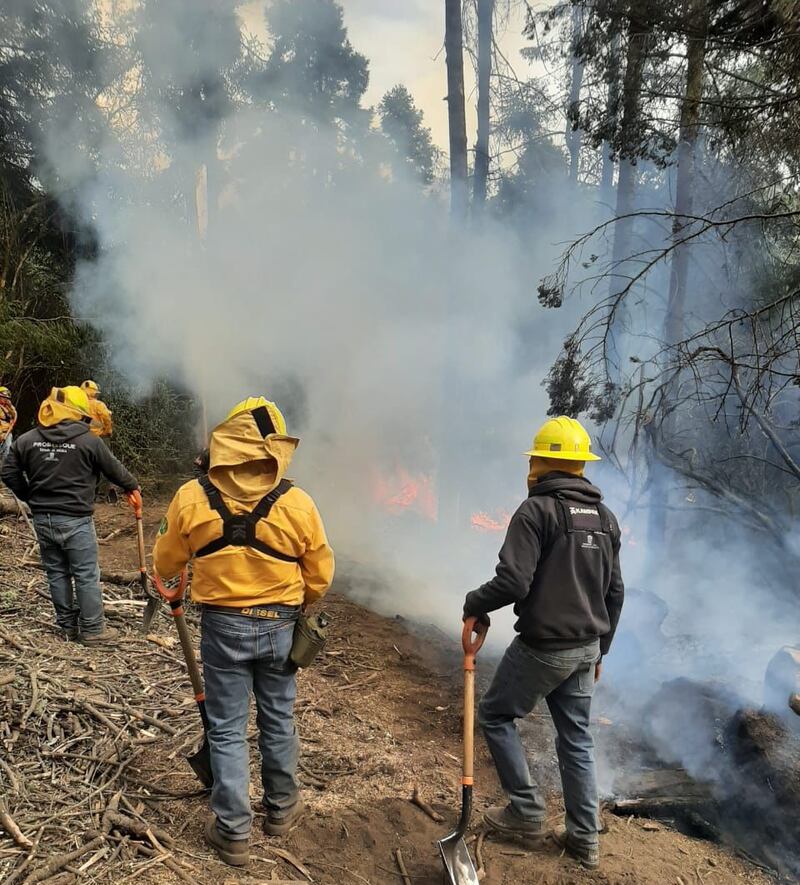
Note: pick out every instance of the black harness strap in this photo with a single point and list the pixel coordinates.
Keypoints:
(263, 421)
(240, 531)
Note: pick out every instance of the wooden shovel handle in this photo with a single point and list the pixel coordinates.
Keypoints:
(472, 626)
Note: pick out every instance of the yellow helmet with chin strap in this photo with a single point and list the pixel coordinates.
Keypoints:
(91, 388)
(563, 439)
(252, 403)
(5, 393)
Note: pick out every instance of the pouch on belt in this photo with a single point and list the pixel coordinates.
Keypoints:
(310, 635)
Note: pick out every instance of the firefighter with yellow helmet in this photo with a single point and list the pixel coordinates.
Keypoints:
(259, 555)
(54, 469)
(8, 418)
(559, 567)
(102, 423)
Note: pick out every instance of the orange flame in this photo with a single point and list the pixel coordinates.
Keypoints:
(406, 492)
(483, 522)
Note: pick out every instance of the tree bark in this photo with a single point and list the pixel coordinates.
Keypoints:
(454, 52)
(481, 173)
(612, 121)
(573, 135)
(638, 43)
(699, 16)
(689, 128)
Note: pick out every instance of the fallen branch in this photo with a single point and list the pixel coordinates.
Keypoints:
(10, 826)
(417, 800)
(481, 871)
(292, 860)
(60, 861)
(123, 578)
(398, 856)
(115, 820)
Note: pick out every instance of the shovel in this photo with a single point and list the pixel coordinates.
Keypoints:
(135, 500)
(458, 866)
(201, 760)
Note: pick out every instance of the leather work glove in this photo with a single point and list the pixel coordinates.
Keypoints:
(134, 498)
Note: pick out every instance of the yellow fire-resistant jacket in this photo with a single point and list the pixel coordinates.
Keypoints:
(102, 424)
(8, 417)
(245, 466)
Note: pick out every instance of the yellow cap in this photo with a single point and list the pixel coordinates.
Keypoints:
(257, 402)
(90, 386)
(4, 391)
(564, 439)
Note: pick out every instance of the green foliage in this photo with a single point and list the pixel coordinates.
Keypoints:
(155, 436)
(312, 67)
(401, 123)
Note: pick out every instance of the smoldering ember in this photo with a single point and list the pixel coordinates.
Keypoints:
(399, 442)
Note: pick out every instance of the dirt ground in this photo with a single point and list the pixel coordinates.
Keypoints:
(378, 717)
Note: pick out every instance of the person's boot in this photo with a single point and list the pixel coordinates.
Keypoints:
(70, 634)
(106, 635)
(234, 852)
(587, 855)
(277, 825)
(503, 819)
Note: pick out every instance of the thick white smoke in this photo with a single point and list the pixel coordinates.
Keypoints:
(397, 343)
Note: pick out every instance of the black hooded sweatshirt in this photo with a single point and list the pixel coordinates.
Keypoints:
(559, 565)
(56, 469)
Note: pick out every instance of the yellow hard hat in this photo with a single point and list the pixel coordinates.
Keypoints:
(564, 439)
(91, 385)
(72, 396)
(257, 402)
(5, 392)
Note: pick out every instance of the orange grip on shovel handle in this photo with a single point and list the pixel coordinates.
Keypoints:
(176, 593)
(472, 646)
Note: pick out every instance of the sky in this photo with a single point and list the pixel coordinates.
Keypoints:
(404, 42)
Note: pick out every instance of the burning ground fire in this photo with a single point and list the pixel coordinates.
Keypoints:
(402, 491)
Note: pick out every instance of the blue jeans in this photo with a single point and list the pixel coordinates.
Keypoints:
(5, 448)
(242, 656)
(565, 679)
(68, 546)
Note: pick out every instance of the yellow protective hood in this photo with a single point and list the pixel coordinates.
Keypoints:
(540, 467)
(60, 406)
(244, 465)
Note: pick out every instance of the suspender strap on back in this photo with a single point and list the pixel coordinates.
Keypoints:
(240, 530)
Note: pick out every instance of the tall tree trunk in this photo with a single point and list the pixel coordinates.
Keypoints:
(638, 44)
(481, 174)
(689, 128)
(573, 134)
(638, 40)
(612, 121)
(454, 52)
(697, 26)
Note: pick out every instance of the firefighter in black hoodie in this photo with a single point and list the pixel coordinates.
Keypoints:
(559, 567)
(54, 469)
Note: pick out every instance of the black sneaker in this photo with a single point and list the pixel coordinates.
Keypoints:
(505, 820)
(587, 855)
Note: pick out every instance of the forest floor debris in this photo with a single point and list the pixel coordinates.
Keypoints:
(96, 788)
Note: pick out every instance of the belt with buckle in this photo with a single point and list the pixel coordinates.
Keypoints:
(254, 611)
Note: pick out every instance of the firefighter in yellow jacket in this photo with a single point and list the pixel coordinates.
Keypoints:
(8, 418)
(259, 555)
(102, 424)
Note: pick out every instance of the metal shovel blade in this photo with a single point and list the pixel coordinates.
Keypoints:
(458, 866)
(201, 765)
(150, 611)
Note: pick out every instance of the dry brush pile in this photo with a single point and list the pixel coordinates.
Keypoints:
(76, 725)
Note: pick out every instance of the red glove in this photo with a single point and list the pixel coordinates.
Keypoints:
(134, 498)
